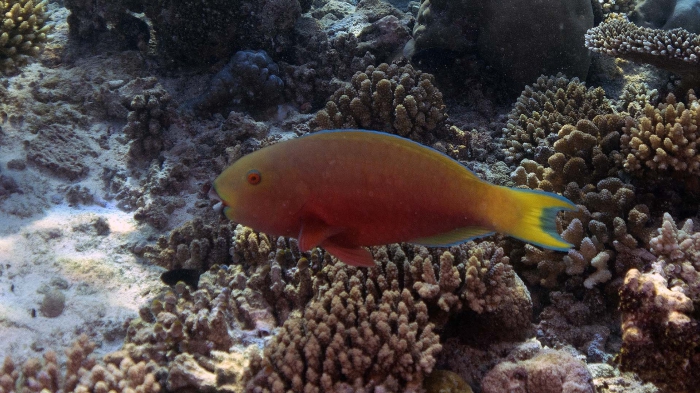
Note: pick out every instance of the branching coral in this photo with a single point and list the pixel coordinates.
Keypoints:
(149, 116)
(675, 50)
(542, 110)
(117, 372)
(663, 141)
(361, 335)
(22, 32)
(398, 100)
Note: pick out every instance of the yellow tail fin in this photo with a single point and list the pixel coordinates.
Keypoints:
(534, 218)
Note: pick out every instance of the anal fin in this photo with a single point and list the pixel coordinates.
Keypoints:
(453, 237)
(314, 232)
(358, 256)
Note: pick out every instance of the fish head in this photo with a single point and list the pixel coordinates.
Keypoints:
(261, 192)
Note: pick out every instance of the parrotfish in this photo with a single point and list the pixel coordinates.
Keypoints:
(343, 190)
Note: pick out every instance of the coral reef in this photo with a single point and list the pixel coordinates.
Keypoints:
(117, 372)
(62, 151)
(390, 98)
(22, 33)
(504, 34)
(667, 14)
(188, 33)
(249, 80)
(674, 50)
(361, 334)
(541, 111)
(147, 119)
(549, 371)
(663, 141)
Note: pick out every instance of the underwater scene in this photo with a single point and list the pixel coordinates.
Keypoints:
(375, 196)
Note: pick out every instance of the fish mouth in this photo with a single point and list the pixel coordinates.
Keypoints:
(213, 195)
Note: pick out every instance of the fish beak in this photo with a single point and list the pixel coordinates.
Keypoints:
(219, 206)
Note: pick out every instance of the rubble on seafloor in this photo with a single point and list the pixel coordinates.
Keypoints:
(116, 115)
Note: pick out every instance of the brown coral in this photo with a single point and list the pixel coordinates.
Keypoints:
(148, 118)
(663, 141)
(358, 335)
(398, 100)
(675, 50)
(541, 111)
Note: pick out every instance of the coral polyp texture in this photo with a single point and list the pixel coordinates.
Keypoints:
(361, 335)
(22, 32)
(664, 140)
(389, 98)
(84, 373)
(541, 111)
(675, 50)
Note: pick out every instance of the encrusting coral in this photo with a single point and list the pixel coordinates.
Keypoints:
(549, 371)
(389, 98)
(675, 50)
(22, 32)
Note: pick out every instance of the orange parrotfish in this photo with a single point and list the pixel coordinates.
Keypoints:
(343, 190)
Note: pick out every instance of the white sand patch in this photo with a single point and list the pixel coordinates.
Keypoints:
(103, 282)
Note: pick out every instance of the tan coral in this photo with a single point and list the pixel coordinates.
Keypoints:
(347, 335)
(675, 50)
(541, 111)
(664, 139)
(22, 32)
(389, 98)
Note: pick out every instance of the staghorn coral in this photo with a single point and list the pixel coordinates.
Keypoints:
(675, 50)
(22, 32)
(390, 98)
(549, 371)
(663, 140)
(361, 335)
(541, 111)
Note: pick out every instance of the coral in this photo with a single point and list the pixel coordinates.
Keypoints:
(582, 324)
(663, 140)
(675, 50)
(117, 372)
(250, 80)
(660, 336)
(188, 33)
(193, 245)
(62, 151)
(504, 35)
(619, 6)
(398, 100)
(668, 14)
(53, 303)
(149, 116)
(541, 111)
(89, 20)
(22, 32)
(360, 335)
(549, 371)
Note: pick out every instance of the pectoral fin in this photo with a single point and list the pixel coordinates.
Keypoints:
(451, 238)
(358, 256)
(314, 232)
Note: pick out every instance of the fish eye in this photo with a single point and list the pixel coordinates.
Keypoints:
(253, 176)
